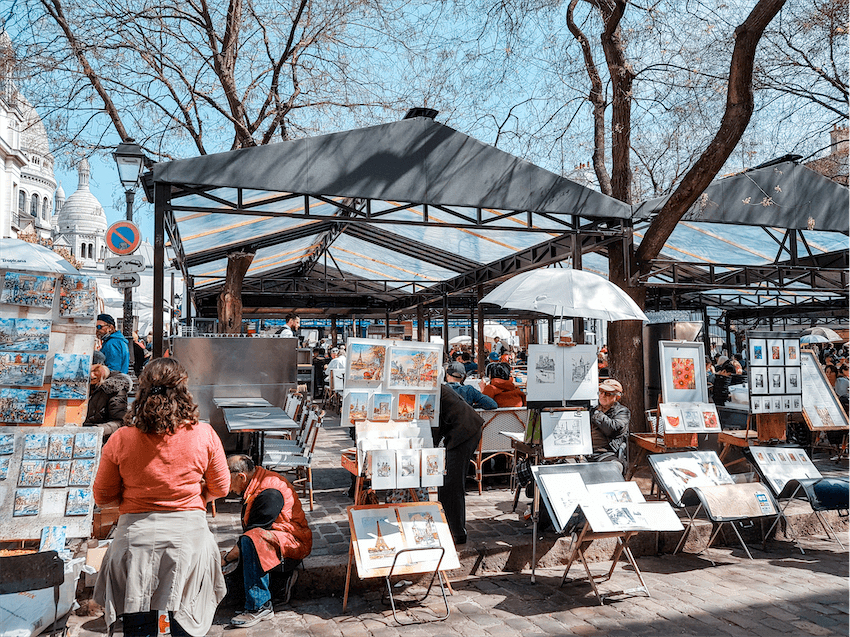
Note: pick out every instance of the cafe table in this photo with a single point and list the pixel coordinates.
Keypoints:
(257, 421)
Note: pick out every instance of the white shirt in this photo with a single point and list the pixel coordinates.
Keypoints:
(336, 363)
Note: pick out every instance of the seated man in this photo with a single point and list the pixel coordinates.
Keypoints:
(455, 376)
(469, 365)
(609, 425)
(275, 534)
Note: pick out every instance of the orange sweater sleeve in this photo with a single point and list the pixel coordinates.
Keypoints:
(217, 475)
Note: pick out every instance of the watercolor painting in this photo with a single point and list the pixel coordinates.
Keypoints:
(61, 447)
(413, 368)
(26, 502)
(32, 473)
(35, 446)
(406, 407)
(85, 445)
(22, 369)
(709, 415)
(56, 474)
(355, 407)
(77, 296)
(683, 370)
(433, 467)
(4, 467)
(31, 290)
(53, 538)
(377, 535)
(82, 473)
(427, 404)
(7, 444)
(24, 335)
(693, 419)
(79, 502)
(24, 406)
(365, 363)
(70, 376)
(382, 407)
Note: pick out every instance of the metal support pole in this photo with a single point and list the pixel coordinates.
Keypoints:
(445, 324)
(161, 196)
(479, 346)
(130, 196)
(420, 324)
(706, 337)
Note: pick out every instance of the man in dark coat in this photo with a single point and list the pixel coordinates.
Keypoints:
(460, 430)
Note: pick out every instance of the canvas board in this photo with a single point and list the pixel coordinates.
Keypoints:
(31, 290)
(820, 404)
(365, 362)
(566, 433)
(562, 373)
(415, 368)
(77, 296)
(677, 472)
(24, 334)
(22, 369)
(70, 380)
(683, 378)
(780, 465)
(25, 406)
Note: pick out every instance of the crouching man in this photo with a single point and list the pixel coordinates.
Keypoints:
(275, 534)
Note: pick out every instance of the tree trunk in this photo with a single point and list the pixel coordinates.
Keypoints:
(230, 298)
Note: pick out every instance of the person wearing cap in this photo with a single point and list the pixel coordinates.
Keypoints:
(455, 375)
(113, 344)
(609, 425)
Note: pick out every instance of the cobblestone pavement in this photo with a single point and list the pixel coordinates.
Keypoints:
(780, 592)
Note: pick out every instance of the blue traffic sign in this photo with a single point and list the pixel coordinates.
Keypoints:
(123, 237)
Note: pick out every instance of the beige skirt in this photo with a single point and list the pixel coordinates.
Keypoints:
(162, 561)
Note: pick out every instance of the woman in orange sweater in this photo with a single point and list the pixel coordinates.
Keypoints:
(501, 388)
(162, 469)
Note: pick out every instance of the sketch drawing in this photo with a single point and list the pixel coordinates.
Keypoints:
(31, 290)
(70, 376)
(24, 335)
(544, 369)
(581, 368)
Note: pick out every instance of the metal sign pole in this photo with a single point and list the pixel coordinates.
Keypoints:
(128, 292)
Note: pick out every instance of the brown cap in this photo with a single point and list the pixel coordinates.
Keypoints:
(609, 384)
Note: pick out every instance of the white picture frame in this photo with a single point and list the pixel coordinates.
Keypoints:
(355, 407)
(408, 464)
(683, 376)
(758, 381)
(792, 352)
(433, 466)
(414, 367)
(562, 373)
(821, 408)
(383, 469)
(563, 492)
(566, 433)
(365, 362)
(793, 381)
(775, 352)
(672, 419)
(758, 352)
(381, 407)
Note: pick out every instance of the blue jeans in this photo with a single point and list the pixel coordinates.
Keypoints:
(255, 580)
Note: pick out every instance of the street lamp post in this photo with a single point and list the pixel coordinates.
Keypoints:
(130, 161)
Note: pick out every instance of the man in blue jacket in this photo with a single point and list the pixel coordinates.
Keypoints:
(113, 344)
(455, 375)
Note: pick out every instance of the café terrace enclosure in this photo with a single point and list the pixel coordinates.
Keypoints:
(385, 219)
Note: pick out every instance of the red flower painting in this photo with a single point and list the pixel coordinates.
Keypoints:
(684, 376)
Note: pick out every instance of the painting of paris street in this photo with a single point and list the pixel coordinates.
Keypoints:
(23, 369)
(28, 289)
(24, 335)
(365, 363)
(413, 368)
(77, 296)
(70, 376)
(22, 405)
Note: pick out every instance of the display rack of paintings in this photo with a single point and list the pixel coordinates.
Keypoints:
(782, 465)
(46, 477)
(683, 378)
(774, 372)
(821, 409)
(562, 373)
(678, 418)
(46, 344)
(399, 455)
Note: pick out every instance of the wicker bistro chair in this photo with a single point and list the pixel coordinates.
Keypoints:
(296, 460)
(493, 443)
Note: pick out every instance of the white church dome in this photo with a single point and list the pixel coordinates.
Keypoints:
(33, 133)
(82, 213)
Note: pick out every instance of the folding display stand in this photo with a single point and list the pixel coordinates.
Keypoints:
(432, 535)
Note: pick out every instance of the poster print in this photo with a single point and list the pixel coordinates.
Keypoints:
(5, 462)
(792, 381)
(31, 290)
(79, 502)
(775, 352)
(758, 354)
(378, 537)
(758, 380)
(7, 444)
(563, 491)
(408, 467)
(35, 446)
(24, 406)
(413, 368)
(32, 473)
(22, 369)
(683, 377)
(26, 502)
(427, 409)
(85, 445)
(355, 407)
(24, 335)
(424, 526)
(366, 361)
(672, 418)
(776, 378)
(77, 296)
(56, 474)
(622, 492)
(406, 407)
(60, 447)
(566, 433)
(82, 473)
(382, 407)
(70, 376)
(792, 352)
(383, 469)
(710, 418)
(433, 467)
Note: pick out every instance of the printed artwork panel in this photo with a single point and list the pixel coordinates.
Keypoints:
(792, 352)
(70, 376)
(433, 466)
(758, 351)
(775, 352)
(758, 380)
(60, 447)
(24, 335)
(26, 502)
(79, 502)
(85, 445)
(408, 467)
(405, 407)
(35, 446)
(31, 290)
(793, 382)
(427, 409)
(82, 473)
(31, 473)
(382, 407)
(365, 363)
(56, 474)
(413, 368)
(776, 380)
(77, 296)
(383, 469)
(22, 369)
(355, 407)
(23, 406)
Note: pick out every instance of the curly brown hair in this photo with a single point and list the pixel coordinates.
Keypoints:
(163, 401)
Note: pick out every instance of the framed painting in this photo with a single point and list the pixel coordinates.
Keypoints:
(758, 351)
(792, 352)
(24, 335)
(382, 407)
(414, 368)
(792, 381)
(566, 433)
(405, 407)
(365, 362)
(821, 409)
(408, 468)
(775, 352)
(672, 418)
(545, 380)
(70, 376)
(758, 380)
(683, 378)
(355, 407)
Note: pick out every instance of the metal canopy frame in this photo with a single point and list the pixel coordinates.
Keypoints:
(363, 198)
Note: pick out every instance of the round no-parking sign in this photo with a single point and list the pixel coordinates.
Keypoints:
(123, 237)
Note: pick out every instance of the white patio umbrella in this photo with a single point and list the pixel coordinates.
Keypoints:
(566, 292)
(461, 340)
(831, 336)
(814, 338)
(28, 257)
